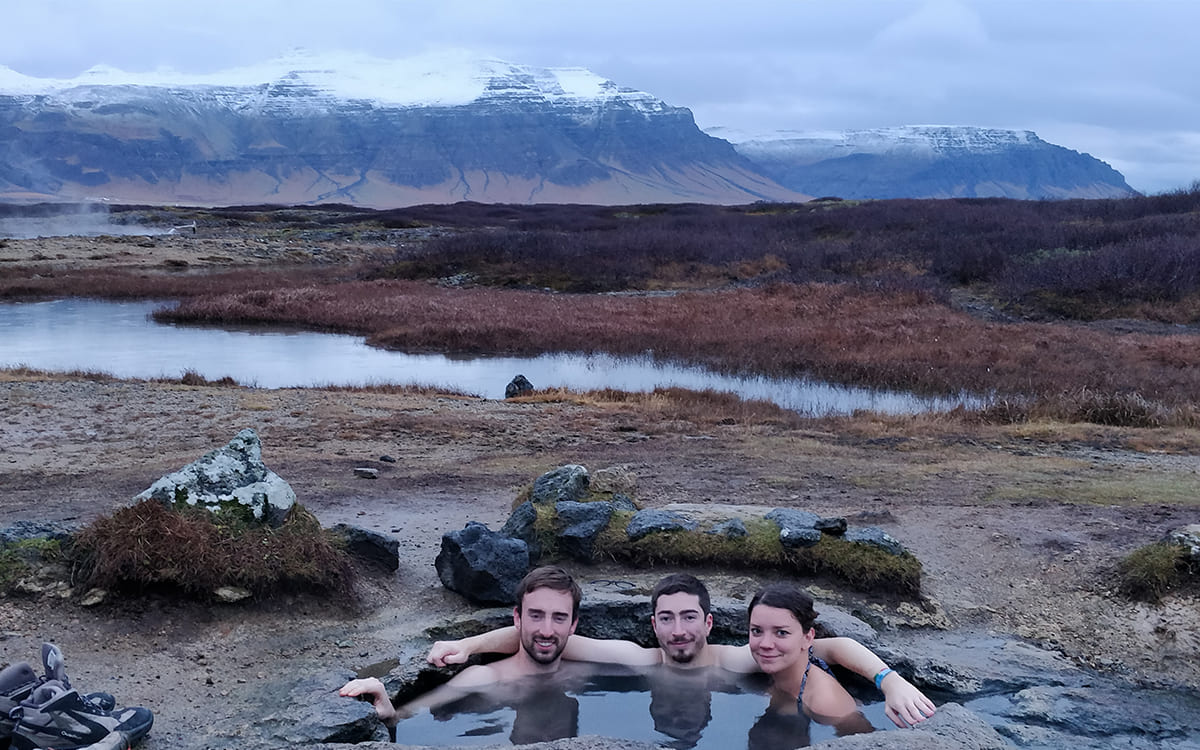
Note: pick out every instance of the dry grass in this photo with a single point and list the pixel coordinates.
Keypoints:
(837, 332)
(706, 408)
(24, 374)
(192, 551)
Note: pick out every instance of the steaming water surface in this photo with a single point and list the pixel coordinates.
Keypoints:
(120, 338)
(72, 225)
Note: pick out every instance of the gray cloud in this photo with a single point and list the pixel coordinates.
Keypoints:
(1115, 78)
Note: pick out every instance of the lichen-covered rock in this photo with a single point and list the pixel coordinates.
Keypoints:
(230, 477)
(569, 482)
(615, 479)
(797, 528)
(1187, 537)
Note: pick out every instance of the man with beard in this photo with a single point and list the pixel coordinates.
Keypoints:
(682, 621)
(545, 616)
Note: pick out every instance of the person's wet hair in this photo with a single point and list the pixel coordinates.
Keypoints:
(550, 577)
(787, 596)
(681, 583)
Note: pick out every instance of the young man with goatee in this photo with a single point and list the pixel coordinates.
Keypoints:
(682, 621)
(544, 618)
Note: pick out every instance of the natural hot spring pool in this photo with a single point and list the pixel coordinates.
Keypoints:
(679, 710)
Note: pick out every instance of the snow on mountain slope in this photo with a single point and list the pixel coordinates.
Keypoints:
(926, 140)
(445, 79)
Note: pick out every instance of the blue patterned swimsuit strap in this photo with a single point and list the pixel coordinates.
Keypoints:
(812, 659)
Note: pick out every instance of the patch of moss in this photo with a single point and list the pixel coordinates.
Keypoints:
(861, 566)
(545, 529)
(1149, 573)
(16, 558)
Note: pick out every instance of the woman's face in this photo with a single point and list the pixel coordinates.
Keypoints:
(776, 639)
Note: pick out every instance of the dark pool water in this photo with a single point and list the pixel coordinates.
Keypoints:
(671, 712)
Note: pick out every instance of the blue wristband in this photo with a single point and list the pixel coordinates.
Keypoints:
(879, 677)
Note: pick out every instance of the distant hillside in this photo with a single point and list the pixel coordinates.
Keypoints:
(361, 131)
(929, 162)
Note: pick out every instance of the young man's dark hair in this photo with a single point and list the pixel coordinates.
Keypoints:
(550, 577)
(681, 583)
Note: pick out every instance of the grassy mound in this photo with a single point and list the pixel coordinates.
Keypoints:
(194, 552)
(1149, 573)
(860, 566)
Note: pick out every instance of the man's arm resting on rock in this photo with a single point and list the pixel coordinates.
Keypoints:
(498, 641)
(611, 651)
(579, 648)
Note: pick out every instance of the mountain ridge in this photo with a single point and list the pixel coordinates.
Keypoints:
(442, 128)
(928, 161)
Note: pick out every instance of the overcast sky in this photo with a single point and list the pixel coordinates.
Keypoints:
(1119, 79)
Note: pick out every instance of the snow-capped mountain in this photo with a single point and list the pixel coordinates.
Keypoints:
(450, 127)
(927, 161)
(360, 130)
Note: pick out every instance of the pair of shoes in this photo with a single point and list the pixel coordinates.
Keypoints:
(17, 682)
(18, 686)
(58, 717)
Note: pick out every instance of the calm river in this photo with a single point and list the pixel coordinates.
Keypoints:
(120, 338)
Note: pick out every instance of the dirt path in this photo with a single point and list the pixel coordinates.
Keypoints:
(1000, 552)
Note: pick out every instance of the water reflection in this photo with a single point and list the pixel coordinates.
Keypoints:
(712, 712)
(120, 338)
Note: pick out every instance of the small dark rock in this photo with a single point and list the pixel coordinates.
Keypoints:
(518, 386)
(482, 565)
(622, 501)
(835, 525)
(875, 537)
(520, 525)
(732, 528)
(582, 523)
(649, 521)
(19, 531)
(370, 546)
